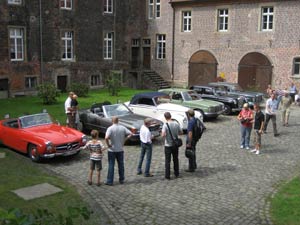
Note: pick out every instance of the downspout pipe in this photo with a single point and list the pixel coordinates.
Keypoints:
(173, 42)
(41, 44)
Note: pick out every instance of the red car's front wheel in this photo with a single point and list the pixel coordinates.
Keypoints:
(33, 153)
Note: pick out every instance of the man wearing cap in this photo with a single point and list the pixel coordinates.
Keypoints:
(246, 119)
(146, 148)
(271, 107)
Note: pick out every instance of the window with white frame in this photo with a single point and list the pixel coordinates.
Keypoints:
(222, 20)
(14, 2)
(267, 17)
(154, 8)
(67, 47)
(16, 45)
(108, 6)
(186, 21)
(296, 66)
(157, 9)
(161, 46)
(66, 4)
(108, 45)
(30, 82)
(96, 80)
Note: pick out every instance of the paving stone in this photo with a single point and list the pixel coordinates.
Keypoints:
(37, 191)
(2, 155)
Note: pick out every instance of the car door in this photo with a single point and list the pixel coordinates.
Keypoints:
(176, 97)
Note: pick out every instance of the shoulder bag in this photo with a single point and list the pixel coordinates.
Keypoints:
(177, 142)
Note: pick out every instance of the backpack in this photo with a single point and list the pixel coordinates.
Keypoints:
(198, 130)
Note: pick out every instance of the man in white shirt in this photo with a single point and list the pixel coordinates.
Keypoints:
(271, 107)
(146, 148)
(68, 111)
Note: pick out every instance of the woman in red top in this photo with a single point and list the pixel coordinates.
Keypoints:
(246, 119)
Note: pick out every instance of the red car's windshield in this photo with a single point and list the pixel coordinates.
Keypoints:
(35, 120)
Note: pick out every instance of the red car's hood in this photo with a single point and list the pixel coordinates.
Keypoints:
(54, 133)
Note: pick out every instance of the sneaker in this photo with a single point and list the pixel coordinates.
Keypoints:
(247, 148)
(257, 152)
(139, 173)
(149, 175)
(242, 146)
(253, 150)
(276, 135)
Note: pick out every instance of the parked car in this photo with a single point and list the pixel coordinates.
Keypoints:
(185, 97)
(234, 88)
(232, 102)
(99, 117)
(40, 137)
(155, 104)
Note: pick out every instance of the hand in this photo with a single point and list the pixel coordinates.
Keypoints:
(188, 145)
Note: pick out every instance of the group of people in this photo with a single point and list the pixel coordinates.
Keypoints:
(278, 100)
(116, 136)
(71, 107)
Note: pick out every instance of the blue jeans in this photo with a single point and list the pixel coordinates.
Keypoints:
(112, 156)
(145, 149)
(245, 136)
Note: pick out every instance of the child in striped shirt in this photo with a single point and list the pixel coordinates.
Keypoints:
(96, 149)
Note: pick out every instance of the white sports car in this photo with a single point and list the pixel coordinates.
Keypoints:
(155, 104)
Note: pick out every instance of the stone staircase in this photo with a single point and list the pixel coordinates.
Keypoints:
(153, 80)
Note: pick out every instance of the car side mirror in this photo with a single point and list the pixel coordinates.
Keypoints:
(6, 116)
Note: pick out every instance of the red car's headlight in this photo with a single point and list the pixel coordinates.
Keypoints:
(49, 146)
(84, 139)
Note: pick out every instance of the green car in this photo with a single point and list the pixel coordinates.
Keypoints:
(191, 99)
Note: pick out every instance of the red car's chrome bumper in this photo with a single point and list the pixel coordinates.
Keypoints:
(66, 153)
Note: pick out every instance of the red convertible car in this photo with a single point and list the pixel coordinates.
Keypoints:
(39, 137)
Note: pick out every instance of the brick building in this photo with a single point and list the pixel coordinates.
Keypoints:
(253, 42)
(186, 42)
(65, 41)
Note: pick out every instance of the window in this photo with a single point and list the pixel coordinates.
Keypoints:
(16, 37)
(154, 9)
(67, 45)
(296, 66)
(135, 42)
(14, 2)
(223, 20)
(187, 21)
(267, 18)
(30, 82)
(108, 46)
(96, 80)
(108, 6)
(161, 46)
(66, 4)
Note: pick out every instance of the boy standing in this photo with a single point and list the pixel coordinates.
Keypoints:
(258, 128)
(96, 149)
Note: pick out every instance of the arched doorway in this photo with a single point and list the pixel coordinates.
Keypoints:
(202, 68)
(255, 72)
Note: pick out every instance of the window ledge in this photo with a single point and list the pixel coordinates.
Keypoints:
(296, 76)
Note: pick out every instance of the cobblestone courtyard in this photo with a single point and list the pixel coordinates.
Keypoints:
(230, 186)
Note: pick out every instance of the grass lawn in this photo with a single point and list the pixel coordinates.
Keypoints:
(285, 206)
(18, 171)
(28, 105)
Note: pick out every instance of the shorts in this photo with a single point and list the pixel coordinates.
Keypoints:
(257, 137)
(95, 164)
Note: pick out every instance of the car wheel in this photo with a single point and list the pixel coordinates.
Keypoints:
(33, 153)
(227, 110)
